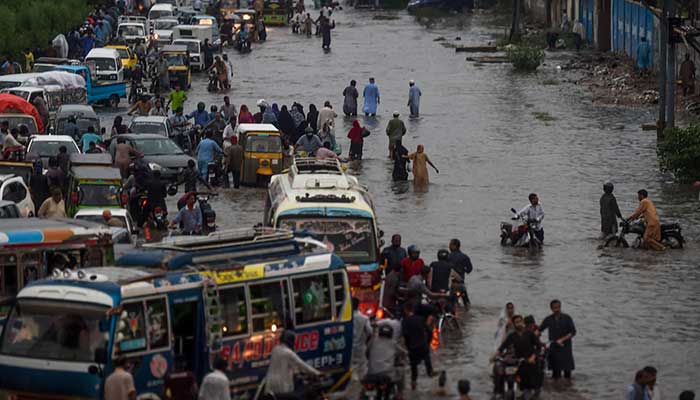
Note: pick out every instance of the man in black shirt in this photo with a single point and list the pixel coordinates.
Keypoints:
(523, 345)
(156, 193)
(462, 266)
(416, 336)
(440, 273)
(561, 331)
(392, 255)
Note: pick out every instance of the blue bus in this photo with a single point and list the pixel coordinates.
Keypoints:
(229, 294)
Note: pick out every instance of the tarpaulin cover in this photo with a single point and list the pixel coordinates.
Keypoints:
(63, 79)
(12, 103)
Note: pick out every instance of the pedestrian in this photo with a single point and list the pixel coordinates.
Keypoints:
(208, 51)
(327, 26)
(355, 134)
(643, 55)
(461, 266)
(122, 156)
(350, 95)
(371, 96)
(28, 60)
(55, 175)
(687, 395)
(229, 70)
(164, 76)
(119, 385)
(391, 289)
(652, 389)
(244, 116)
(687, 75)
(63, 159)
(505, 324)
(233, 161)
(579, 32)
(228, 109)
(637, 390)
(206, 151)
(564, 26)
(38, 184)
(561, 331)
(158, 109)
(647, 210)
(53, 207)
(463, 388)
(312, 117)
(286, 123)
(395, 130)
(400, 156)
(308, 24)
(327, 114)
(230, 129)
(177, 98)
(361, 335)
(420, 167)
(268, 116)
(415, 335)
(216, 385)
(42, 109)
(609, 211)
(71, 128)
(414, 95)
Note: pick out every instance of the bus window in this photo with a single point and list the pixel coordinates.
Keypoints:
(234, 311)
(157, 320)
(339, 292)
(135, 331)
(312, 299)
(269, 304)
(146, 328)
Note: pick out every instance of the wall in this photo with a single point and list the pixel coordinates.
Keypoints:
(630, 22)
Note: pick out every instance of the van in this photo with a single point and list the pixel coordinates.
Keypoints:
(161, 10)
(194, 47)
(108, 64)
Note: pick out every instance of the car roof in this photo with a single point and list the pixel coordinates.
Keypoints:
(134, 136)
(173, 48)
(117, 46)
(187, 40)
(52, 138)
(161, 6)
(153, 118)
(118, 212)
(102, 52)
(257, 128)
(76, 108)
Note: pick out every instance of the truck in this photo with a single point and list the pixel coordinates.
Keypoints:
(97, 92)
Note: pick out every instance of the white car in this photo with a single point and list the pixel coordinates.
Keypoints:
(95, 215)
(154, 124)
(163, 30)
(46, 146)
(13, 188)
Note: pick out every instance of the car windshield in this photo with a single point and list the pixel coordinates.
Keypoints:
(263, 144)
(165, 25)
(16, 120)
(352, 239)
(83, 125)
(99, 195)
(192, 47)
(54, 330)
(131, 30)
(148, 127)
(157, 147)
(9, 84)
(98, 218)
(155, 14)
(104, 64)
(20, 93)
(50, 148)
(123, 53)
(175, 60)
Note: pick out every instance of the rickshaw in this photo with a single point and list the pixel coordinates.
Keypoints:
(276, 13)
(228, 8)
(262, 152)
(178, 65)
(248, 17)
(93, 183)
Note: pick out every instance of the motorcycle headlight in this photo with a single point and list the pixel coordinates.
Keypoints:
(154, 166)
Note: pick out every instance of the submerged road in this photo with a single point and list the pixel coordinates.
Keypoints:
(496, 136)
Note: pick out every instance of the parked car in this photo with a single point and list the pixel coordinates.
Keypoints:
(160, 153)
(46, 146)
(13, 188)
(155, 124)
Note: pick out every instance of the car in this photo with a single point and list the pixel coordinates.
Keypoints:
(163, 30)
(95, 215)
(85, 117)
(194, 47)
(9, 209)
(129, 58)
(155, 124)
(46, 146)
(13, 188)
(159, 153)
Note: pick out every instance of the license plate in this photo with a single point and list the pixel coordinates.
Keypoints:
(511, 370)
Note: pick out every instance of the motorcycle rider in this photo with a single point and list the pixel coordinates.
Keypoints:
(461, 267)
(156, 193)
(142, 107)
(609, 211)
(411, 264)
(179, 122)
(440, 273)
(190, 217)
(136, 81)
(284, 362)
(383, 353)
(523, 345)
(393, 254)
(200, 115)
(416, 288)
(190, 177)
(647, 210)
(535, 213)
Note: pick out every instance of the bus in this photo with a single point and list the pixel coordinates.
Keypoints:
(316, 197)
(229, 294)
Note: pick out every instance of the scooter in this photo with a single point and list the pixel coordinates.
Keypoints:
(522, 235)
(670, 235)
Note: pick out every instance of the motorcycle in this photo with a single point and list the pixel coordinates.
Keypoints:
(670, 235)
(378, 387)
(215, 175)
(522, 235)
(505, 372)
(242, 45)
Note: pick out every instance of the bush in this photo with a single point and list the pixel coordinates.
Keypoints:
(679, 153)
(525, 58)
(33, 23)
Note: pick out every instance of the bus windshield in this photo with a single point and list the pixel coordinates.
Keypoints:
(352, 239)
(55, 330)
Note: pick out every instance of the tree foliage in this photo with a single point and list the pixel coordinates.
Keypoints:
(33, 23)
(679, 153)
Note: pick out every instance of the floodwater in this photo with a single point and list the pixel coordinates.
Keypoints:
(479, 126)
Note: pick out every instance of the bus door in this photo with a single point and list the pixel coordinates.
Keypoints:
(186, 327)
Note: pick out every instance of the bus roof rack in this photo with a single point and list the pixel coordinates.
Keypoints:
(311, 165)
(222, 239)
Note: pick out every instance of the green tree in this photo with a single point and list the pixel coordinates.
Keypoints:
(679, 153)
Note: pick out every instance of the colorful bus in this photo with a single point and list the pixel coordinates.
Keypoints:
(228, 294)
(318, 198)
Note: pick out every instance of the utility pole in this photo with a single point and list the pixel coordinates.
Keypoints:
(673, 38)
(663, 57)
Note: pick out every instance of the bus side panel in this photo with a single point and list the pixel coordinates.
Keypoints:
(15, 379)
(327, 347)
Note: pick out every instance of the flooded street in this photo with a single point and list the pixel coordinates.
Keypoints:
(480, 127)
